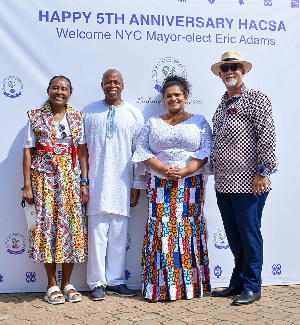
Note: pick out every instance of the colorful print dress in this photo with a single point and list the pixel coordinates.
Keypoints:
(60, 235)
(175, 262)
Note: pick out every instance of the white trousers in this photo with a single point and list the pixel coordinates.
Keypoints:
(107, 247)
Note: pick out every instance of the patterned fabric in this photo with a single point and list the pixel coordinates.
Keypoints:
(61, 230)
(175, 261)
(110, 122)
(244, 141)
(44, 128)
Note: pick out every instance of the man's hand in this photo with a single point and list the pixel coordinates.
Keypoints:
(134, 197)
(259, 184)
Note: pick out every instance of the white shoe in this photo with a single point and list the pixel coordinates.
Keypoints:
(51, 300)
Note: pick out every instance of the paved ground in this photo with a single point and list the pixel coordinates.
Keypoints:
(279, 305)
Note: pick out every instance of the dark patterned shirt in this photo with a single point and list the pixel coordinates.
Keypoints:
(244, 141)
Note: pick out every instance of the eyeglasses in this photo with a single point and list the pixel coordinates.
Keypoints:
(61, 128)
(233, 67)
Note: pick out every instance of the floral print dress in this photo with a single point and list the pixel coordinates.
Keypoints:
(60, 235)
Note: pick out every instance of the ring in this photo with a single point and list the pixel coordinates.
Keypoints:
(179, 176)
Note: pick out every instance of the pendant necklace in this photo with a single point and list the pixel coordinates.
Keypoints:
(176, 116)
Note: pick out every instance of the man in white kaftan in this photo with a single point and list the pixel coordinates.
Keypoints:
(111, 127)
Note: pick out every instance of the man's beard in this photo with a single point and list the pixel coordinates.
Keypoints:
(231, 83)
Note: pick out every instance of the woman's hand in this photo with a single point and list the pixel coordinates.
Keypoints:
(165, 170)
(191, 167)
(84, 194)
(179, 173)
(28, 195)
(174, 173)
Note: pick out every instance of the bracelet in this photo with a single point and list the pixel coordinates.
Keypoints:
(84, 185)
(83, 180)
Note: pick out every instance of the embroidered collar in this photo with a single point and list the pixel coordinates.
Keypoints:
(103, 101)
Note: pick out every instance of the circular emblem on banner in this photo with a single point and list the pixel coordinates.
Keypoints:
(12, 87)
(220, 239)
(164, 68)
(15, 244)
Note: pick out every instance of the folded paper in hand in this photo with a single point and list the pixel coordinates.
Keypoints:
(30, 213)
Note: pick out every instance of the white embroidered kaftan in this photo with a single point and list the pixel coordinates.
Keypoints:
(110, 166)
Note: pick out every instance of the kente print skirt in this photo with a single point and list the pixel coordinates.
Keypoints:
(175, 262)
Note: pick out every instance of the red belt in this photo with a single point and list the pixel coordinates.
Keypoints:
(64, 150)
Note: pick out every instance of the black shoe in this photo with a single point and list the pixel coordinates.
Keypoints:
(98, 293)
(246, 298)
(227, 292)
(120, 290)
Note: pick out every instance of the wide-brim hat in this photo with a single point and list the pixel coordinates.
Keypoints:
(231, 57)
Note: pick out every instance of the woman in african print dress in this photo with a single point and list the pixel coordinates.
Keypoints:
(52, 183)
(175, 149)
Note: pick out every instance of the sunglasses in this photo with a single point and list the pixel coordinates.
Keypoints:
(233, 67)
(62, 131)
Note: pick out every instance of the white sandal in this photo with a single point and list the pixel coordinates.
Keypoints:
(51, 300)
(72, 294)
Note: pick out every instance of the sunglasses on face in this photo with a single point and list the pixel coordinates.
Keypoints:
(233, 67)
(61, 128)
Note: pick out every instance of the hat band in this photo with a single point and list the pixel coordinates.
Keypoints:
(231, 59)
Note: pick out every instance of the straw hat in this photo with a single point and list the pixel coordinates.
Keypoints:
(231, 57)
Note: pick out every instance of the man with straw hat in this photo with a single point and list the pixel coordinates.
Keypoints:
(243, 157)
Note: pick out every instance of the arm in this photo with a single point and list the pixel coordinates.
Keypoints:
(190, 168)
(201, 156)
(83, 161)
(264, 129)
(144, 154)
(27, 192)
(139, 178)
(161, 168)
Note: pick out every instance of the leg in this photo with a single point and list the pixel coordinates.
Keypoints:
(115, 258)
(248, 209)
(233, 236)
(50, 270)
(67, 269)
(116, 250)
(98, 227)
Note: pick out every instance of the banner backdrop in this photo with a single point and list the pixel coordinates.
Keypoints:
(148, 40)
